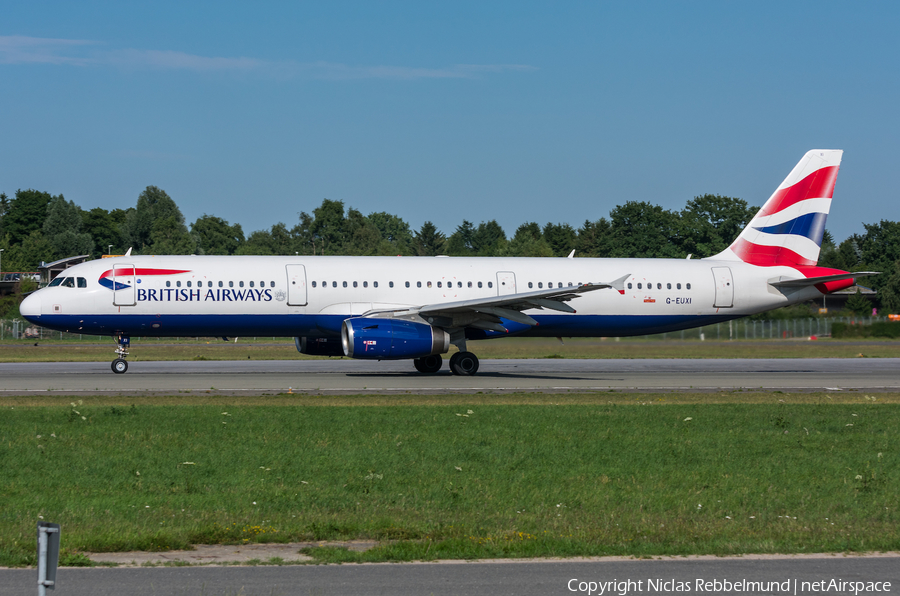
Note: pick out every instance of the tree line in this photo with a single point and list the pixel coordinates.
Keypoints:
(36, 226)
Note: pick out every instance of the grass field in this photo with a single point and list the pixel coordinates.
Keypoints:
(212, 349)
(456, 476)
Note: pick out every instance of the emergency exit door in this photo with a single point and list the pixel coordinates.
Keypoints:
(724, 287)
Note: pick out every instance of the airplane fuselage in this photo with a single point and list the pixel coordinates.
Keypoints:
(311, 296)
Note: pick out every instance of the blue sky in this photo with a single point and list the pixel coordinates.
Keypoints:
(514, 111)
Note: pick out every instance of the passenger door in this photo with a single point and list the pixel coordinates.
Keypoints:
(296, 277)
(724, 287)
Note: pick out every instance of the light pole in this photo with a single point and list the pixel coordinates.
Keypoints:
(109, 252)
(1, 263)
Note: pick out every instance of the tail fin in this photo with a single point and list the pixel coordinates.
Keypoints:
(788, 229)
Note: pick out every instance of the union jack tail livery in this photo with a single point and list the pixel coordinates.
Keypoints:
(788, 229)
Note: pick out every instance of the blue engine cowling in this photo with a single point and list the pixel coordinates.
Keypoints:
(319, 346)
(387, 339)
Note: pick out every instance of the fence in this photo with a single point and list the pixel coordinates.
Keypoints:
(743, 329)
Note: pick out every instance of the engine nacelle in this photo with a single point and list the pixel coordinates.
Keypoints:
(389, 339)
(319, 346)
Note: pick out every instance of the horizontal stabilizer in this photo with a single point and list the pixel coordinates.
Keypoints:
(803, 282)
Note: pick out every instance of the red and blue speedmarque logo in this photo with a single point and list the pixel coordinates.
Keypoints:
(110, 279)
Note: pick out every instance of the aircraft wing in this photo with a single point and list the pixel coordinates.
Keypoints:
(486, 313)
(803, 282)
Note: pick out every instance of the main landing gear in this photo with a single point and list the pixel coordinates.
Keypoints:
(462, 363)
(120, 365)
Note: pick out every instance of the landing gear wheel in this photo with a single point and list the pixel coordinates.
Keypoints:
(119, 366)
(464, 364)
(429, 364)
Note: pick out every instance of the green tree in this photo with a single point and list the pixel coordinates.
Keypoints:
(429, 241)
(594, 239)
(488, 239)
(275, 241)
(561, 238)
(528, 241)
(459, 244)
(62, 228)
(710, 223)
(393, 230)
(859, 305)
(214, 236)
(169, 236)
(154, 205)
(327, 228)
(103, 228)
(26, 214)
(643, 230)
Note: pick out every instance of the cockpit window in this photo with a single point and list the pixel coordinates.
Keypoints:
(82, 282)
(55, 282)
(68, 282)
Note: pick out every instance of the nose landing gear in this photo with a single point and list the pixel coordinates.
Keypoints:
(120, 365)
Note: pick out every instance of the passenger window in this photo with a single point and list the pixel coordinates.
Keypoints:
(418, 284)
(374, 284)
(355, 284)
(688, 286)
(459, 284)
(658, 286)
(429, 284)
(390, 284)
(470, 284)
(629, 285)
(262, 284)
(177, 284)
(549, 284)
(314, 284)
(168, 284)
(231, 284)
(82, 282)
(490, 284)
(639, 285)
(540, 284)
(69, 282)
(251, 284)
(407, 284)
(241, 284)
(439, 284)
(479, 284)
(530, 285)
(271, 284)
(208, 284)
(220, 284)
(334, 284)
(668, 286)
(678, 286)
(345, 284)
(365, 284)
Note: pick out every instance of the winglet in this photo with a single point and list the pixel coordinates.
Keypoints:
(128, 254)
(619, 284)
(571, 254)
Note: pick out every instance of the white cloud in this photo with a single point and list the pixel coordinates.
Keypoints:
(17, 49)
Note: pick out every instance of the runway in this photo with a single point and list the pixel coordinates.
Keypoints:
(754, 575)
(344, 376)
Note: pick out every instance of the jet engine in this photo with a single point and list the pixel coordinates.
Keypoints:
(392, 339)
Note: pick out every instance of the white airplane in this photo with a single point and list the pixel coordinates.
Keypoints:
(390, 308)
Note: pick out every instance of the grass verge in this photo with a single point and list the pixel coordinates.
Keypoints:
(461, 477)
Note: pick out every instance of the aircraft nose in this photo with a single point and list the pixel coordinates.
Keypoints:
(31, 307)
